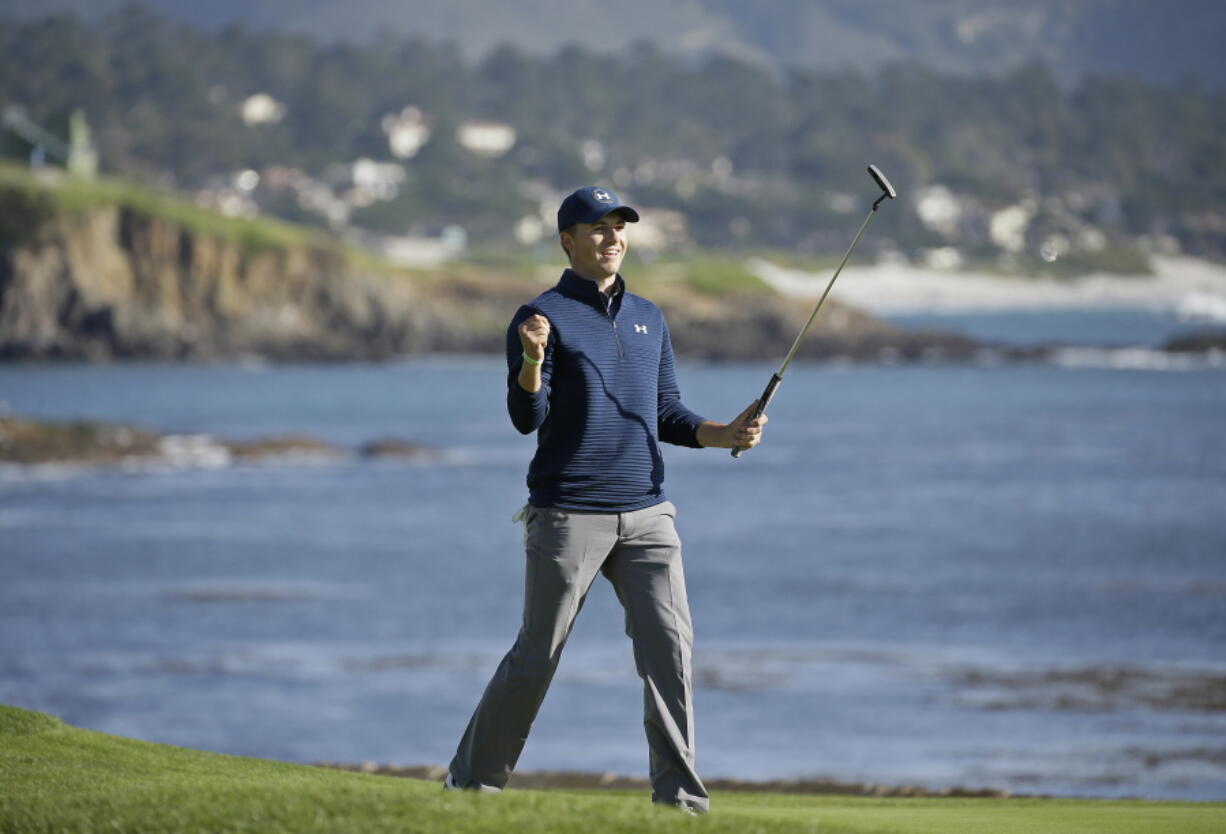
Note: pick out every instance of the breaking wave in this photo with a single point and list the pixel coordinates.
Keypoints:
(1136, 359)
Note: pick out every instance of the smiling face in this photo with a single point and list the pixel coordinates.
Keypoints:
(597, 249)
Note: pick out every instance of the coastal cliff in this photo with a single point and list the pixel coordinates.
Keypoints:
(114, 280)
(118, 274)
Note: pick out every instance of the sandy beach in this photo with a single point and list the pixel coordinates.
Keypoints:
(1191, 287)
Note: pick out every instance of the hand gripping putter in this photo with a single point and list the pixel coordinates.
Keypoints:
(887, 190)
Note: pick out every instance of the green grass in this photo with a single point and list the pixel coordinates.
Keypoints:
(56, 188)
(58, 778)
(712, 276)
(722, 276)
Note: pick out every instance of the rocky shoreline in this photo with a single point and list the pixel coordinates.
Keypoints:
(27, 442)
(1073, 689)
(580, 780)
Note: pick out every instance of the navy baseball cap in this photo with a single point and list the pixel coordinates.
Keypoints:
(589, 204)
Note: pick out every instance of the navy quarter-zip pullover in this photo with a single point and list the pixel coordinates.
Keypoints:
(608, 396)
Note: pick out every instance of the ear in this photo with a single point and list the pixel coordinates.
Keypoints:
(565, 238)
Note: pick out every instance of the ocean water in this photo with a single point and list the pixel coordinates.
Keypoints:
(1007, 576)
(1105, 327)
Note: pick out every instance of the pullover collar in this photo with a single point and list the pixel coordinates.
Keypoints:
(576, 286)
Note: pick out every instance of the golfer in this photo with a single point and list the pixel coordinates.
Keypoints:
(591, 372)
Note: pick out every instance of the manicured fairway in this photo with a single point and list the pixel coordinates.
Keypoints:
(57, 778)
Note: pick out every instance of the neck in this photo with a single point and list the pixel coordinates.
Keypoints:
(604, 283)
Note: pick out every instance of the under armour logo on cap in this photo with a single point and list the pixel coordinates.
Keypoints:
(601, 195)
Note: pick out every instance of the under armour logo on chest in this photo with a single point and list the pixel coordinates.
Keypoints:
(640, 328)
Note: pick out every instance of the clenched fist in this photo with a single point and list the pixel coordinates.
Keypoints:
(534, 335)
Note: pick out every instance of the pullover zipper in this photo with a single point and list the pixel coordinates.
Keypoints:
(608, 311)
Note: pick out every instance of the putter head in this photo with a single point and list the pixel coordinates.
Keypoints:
(875, 173)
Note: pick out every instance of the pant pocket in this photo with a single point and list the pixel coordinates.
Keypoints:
(528, 515)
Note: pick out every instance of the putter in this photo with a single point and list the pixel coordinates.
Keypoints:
(887, 190)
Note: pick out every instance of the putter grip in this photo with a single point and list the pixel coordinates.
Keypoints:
(763, 402)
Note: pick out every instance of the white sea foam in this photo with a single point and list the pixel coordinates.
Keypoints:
(1202, 307)
(1137, 359)
(43, 471)
(247, 590)
(194, 451)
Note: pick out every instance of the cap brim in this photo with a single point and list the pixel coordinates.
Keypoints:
(629, 214)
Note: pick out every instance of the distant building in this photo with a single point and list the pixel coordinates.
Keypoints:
(490, 139)
(377, 180)
(1008, 226)
(942, 258)
(659, 230)
(407, 132)
(261, 109)
(529, 229)
(82, 155)
(939, 210)
(421, 251)
(78, 154)
(593, 154)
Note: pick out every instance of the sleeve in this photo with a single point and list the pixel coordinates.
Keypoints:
(528, 411)
(675, 423)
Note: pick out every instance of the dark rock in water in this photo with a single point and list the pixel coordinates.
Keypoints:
(31, 442)
(1200, 341)
(289, 445)
(390, 447)
(27, 441)
(1096, 688)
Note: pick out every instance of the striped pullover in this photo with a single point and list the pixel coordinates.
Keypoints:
(608, 397)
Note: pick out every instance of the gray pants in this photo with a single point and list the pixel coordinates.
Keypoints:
(640, 553)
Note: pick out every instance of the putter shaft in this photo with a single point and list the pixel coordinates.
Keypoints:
(887, 190)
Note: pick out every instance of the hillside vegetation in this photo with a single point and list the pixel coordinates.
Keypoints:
(1137, 37)
(58, 778)
(727, 154)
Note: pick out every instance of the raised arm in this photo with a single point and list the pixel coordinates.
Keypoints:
(529, 366)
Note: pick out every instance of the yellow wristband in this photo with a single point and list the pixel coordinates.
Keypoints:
(530, 360)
